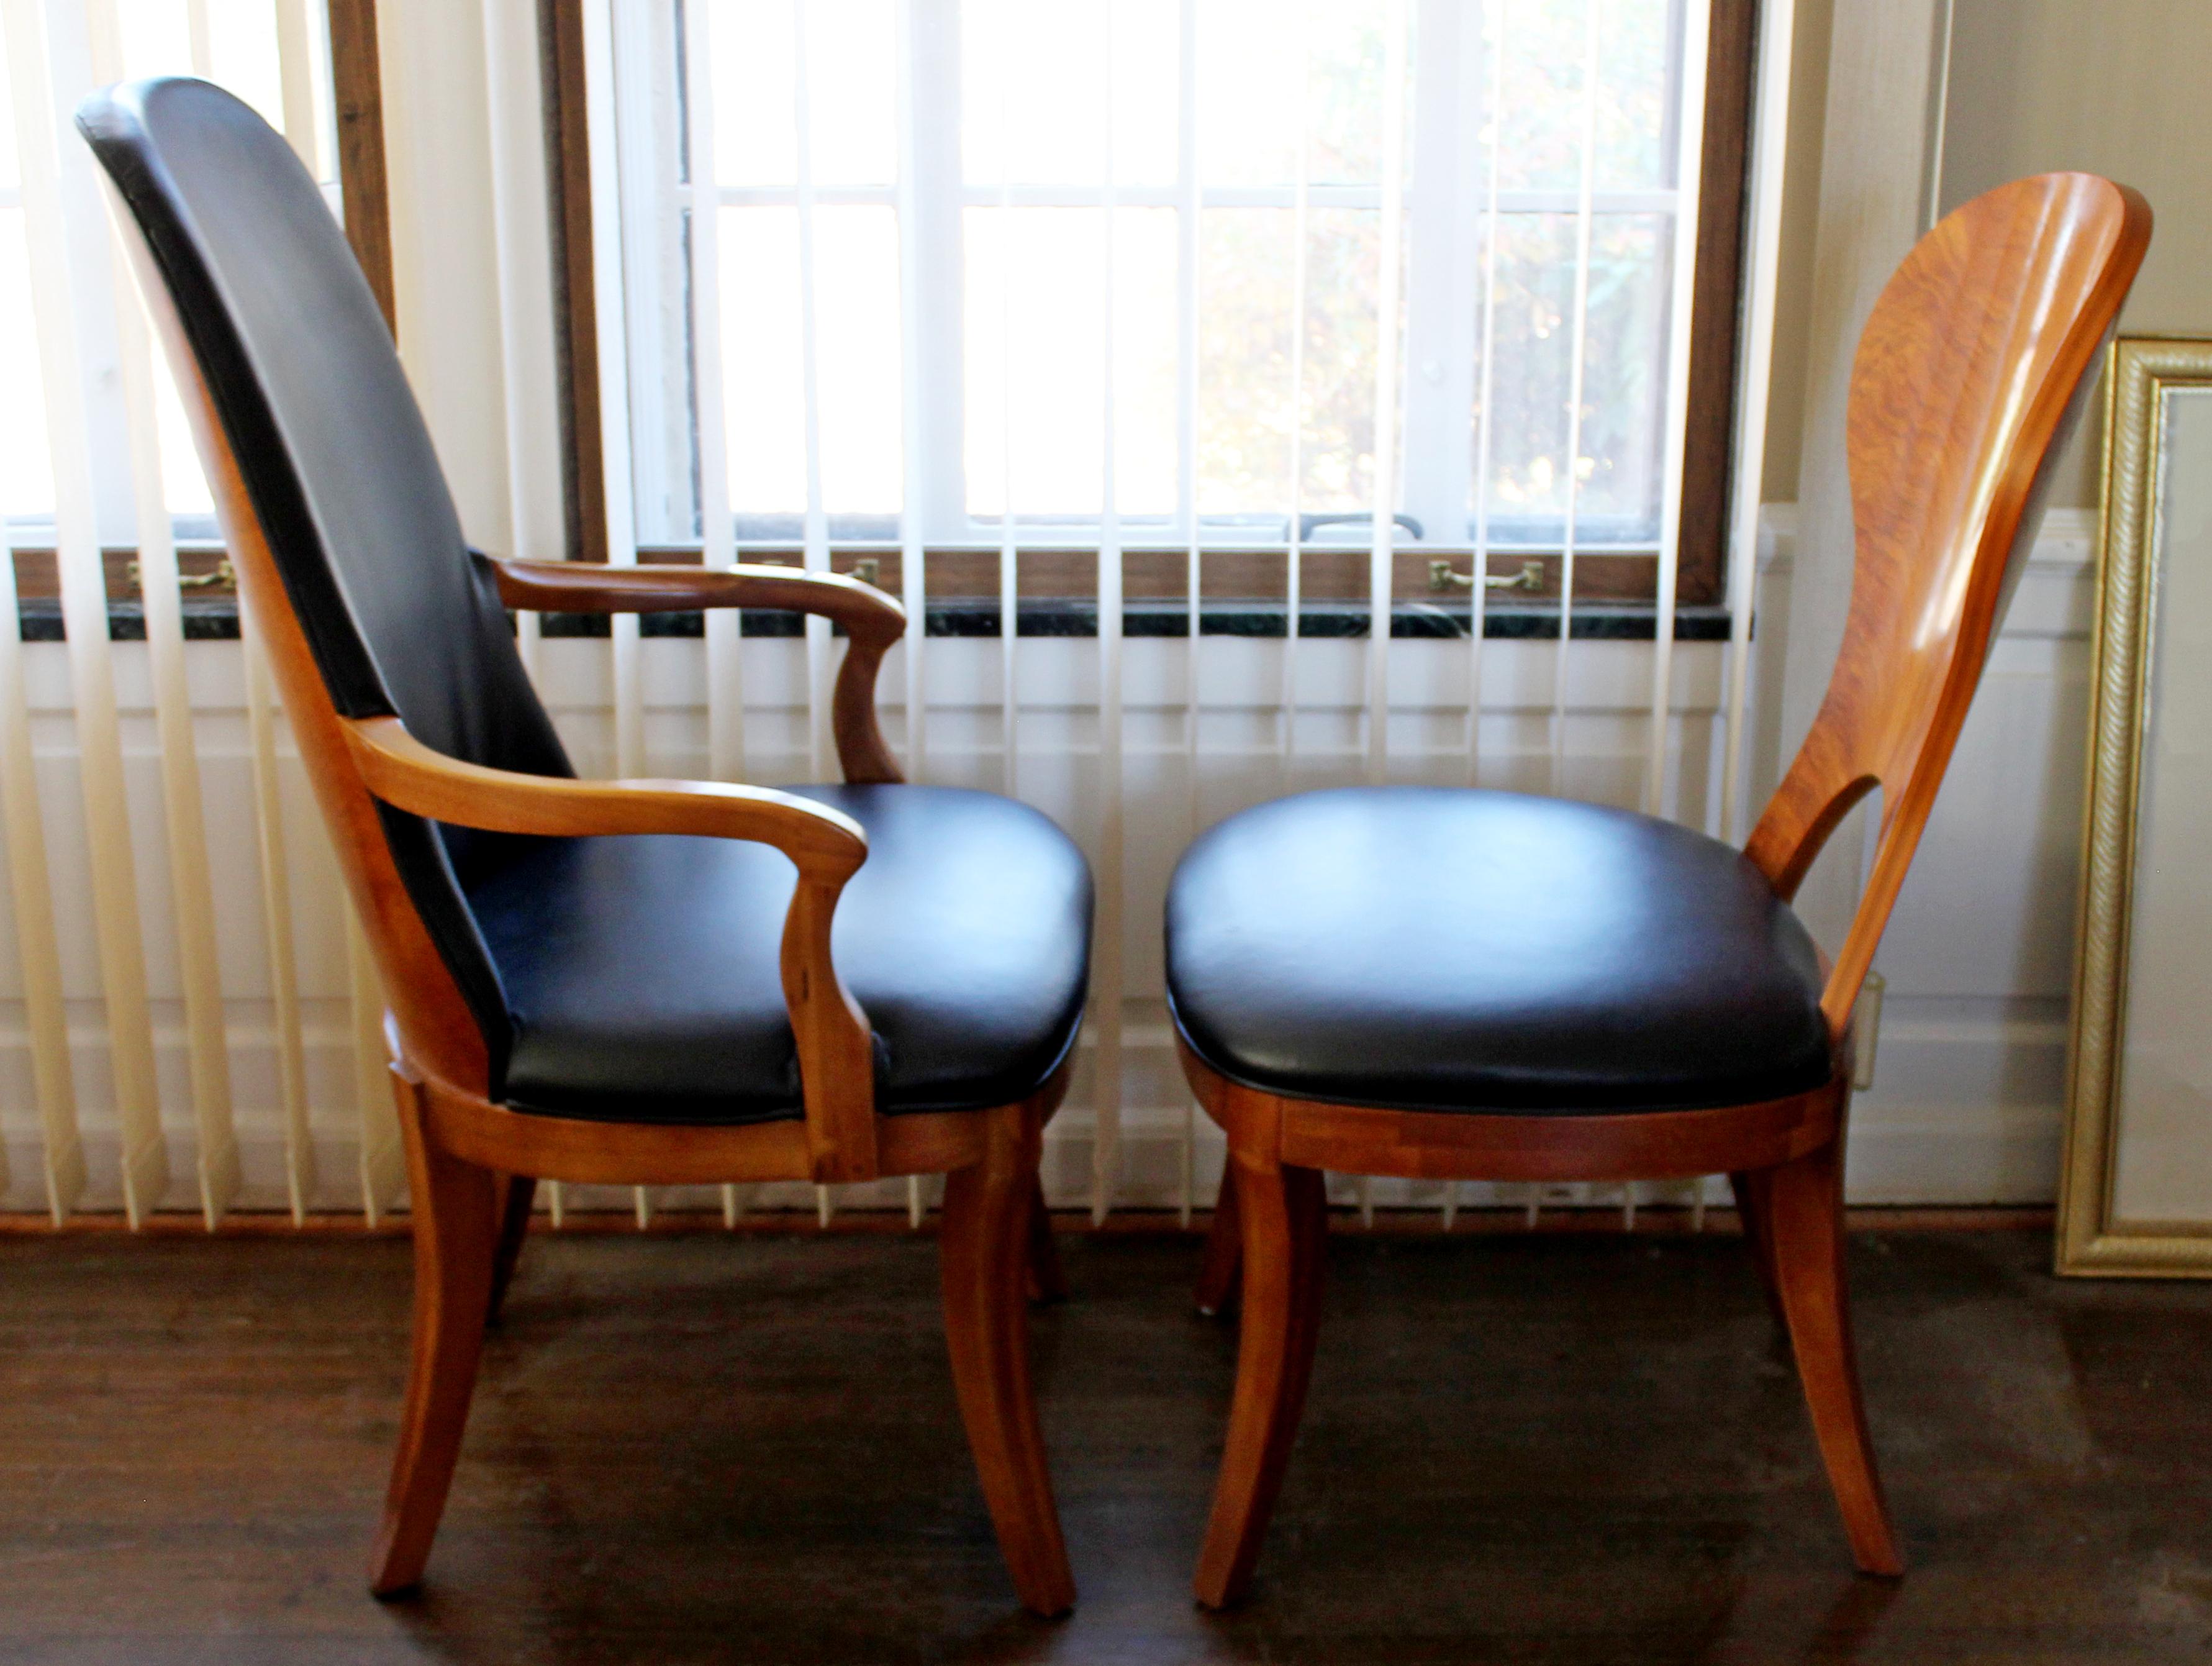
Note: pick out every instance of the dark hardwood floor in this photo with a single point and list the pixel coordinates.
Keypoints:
(707, 1448)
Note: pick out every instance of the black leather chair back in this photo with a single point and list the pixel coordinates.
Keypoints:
(401, 619)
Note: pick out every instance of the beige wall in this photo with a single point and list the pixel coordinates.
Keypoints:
(2116, 86)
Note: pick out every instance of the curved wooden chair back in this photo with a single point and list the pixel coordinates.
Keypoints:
(254, 236)
(1970, 373)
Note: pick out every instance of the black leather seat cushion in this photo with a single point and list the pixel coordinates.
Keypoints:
(641, 979)
(1440, 949)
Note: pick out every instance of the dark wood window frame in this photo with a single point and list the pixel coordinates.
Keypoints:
(1600, 578)
(357, 96)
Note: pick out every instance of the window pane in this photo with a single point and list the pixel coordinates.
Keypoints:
(1624, 380)
(763, 388)
(1249, 72)
(1529, 385)
(1147, 439)
(1540, 123)
(1635, 78)
(755, 136)
(1244, 360)
(1040, 73)
(1010, 298)
(1034, 344)
(852, 70)
(852, 86)
(1345, 83)
(857, 362)
(1338, 460)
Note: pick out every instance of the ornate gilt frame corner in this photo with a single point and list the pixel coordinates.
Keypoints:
(2090, 1243)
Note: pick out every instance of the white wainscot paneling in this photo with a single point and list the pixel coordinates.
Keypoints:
(1965, 1105)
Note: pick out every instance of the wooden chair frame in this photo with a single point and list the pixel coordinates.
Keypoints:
(1943, 489)
(473, 1164)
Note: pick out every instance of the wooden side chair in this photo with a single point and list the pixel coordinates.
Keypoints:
(1451, 984)
(826, 983)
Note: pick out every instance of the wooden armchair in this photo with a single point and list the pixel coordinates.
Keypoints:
(660, 982)
(1447, 984)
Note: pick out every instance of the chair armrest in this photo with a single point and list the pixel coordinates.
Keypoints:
(837, 1053)
(873, 621)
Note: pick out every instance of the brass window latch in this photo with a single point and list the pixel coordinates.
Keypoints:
(222, 576)
(1441, 578)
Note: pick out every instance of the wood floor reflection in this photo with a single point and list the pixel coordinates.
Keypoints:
(700, 1448)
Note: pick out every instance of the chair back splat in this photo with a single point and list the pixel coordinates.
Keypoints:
(1970, 373)
(349, 553)
(1602, 996)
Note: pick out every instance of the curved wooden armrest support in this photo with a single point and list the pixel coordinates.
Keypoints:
(873, 621)
(837, 1054)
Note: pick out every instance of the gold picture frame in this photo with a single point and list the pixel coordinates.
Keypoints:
(2133, 1119)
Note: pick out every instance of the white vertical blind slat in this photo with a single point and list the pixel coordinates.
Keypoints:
(1492, 39)
(1486, 446)
(1762, 288)
(144, 1156)
(522, 256)
(38, 946)
(1381, 542)
(200, 33)
(295, 71)
(381, 1157)
(379, 1161)
(1578, 326)
(600, 68)
(191, 891)
(725, 705)
(1106, 1029)
(303, 131)
(1009, 559)
(276, 918)
(1688, 177)
(1294, 538)
(816, 536)
(1688, 172)
(529, 635)
(1388, 261)
(1187, 319)
(913, 587)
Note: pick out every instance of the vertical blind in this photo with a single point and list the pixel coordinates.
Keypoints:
(1170, 327)
(1043, 290)
(102, 460)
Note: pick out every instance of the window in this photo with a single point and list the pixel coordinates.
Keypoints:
(939, 193)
